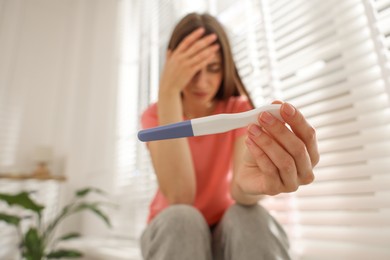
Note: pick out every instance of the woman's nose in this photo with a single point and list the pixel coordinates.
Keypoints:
(200, 78)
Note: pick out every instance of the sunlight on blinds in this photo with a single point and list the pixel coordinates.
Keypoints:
(382, 12)
(128, 93)
(328, 65)
(323, 56)
(134, 176)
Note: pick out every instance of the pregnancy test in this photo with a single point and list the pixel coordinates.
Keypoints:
(207, 125)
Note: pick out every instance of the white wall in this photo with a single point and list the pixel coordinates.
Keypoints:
(58, 66)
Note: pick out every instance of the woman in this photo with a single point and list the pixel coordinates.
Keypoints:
(206, 206)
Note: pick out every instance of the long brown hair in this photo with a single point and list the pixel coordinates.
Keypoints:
(231, 84)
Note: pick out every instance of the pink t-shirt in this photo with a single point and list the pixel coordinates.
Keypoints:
(212, 156)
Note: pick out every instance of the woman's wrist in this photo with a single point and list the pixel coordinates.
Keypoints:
(169, 106)
(168, 90)
(241, 197)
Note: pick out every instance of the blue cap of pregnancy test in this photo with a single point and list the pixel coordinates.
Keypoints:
(177, 130)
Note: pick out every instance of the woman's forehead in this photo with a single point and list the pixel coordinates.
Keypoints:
(217, 59)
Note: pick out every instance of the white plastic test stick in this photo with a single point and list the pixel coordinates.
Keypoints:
(207, 125)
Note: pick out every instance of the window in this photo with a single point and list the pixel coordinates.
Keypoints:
(326, 58)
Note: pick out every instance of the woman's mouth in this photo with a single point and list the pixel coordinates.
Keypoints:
(200, 94)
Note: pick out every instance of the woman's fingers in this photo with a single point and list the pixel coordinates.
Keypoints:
(291, 144)
(204, 57)
(283, 161)
(200, 45)
(194, 52)
(190, 39)
(195, 42)
(302, 129)
(195, 48)
(269, 182)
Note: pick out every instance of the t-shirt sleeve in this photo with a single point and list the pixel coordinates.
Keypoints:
(241, 105)
(149, 117)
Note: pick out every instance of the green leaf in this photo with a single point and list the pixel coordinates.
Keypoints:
(70, 236)
(23, 200)
(10, 219)
(84, 192)
(33, 244)
(94, 209)
(60, 253)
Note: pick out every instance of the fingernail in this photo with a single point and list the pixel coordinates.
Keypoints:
(267, 118)
(288, 109)
(255, 130)
(201, 29)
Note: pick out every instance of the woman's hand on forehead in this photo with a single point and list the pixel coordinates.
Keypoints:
(195, 52)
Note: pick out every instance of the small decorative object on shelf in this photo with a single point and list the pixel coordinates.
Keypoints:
(41, 171)
(42, 156)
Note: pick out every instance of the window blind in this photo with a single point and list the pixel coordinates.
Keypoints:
(326, 58)
(138, 64)
(382, 15)
(382, 9)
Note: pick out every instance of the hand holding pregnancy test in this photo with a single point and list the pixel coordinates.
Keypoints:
(207, 125)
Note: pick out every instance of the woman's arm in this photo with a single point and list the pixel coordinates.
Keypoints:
(172, 159)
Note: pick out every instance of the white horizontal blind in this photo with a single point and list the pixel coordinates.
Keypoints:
(382, 15)
(249, 39)
(128, 91)
(325, 60)
(131, 93)
(139, 63)
(382, 8)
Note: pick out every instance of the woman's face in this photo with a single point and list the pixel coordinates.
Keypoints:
(206, 82)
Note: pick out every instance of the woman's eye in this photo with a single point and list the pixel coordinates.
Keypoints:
(214, 68)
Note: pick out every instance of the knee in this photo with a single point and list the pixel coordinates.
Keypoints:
(180, 218)
(242, 219)
(252, 233)
(246, 214)
(178, 232)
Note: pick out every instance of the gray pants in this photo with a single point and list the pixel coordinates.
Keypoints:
(244, 233)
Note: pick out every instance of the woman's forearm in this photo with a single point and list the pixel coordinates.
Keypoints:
(172, 159)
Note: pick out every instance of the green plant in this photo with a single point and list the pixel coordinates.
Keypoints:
(38, 241)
